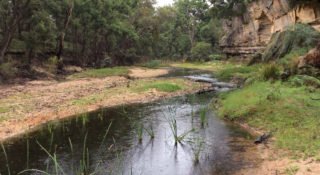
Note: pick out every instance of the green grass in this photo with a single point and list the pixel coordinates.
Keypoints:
(277, 106)
(292, 170)
(4, 110)
(165, 87)
(226, 74)
(101, 73)
(211, 66)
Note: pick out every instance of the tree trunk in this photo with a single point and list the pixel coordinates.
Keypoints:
(17, 15)
(192, 35)
(4, 46)
(63, 34)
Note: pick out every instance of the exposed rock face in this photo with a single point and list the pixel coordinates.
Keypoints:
(251, 32)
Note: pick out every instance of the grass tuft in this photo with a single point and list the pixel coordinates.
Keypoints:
(102, 73)
(165, 87)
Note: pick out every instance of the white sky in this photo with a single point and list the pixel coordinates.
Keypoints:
(163, 2)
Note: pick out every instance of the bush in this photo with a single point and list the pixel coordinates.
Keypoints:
(271, 71)
(217, 56)
(52, 64)
(200, 51)
(106, 62)
(154, 63)
(8, 70)
(304, 80)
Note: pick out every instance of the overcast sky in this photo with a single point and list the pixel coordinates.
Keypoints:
(164, 2)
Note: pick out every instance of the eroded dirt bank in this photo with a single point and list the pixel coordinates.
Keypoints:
(24, 107)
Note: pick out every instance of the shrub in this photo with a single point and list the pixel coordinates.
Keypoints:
(52, 64)
(154, 63)
(106, 62)
(304, 80)
(270, 71)
(217, 56)
(8, 70)
(200, 51)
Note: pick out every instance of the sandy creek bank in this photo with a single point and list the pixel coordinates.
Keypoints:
(28, 105)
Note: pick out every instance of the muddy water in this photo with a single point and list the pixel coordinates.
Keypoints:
(225, 148)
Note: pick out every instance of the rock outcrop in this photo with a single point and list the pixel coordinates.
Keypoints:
(250, 32)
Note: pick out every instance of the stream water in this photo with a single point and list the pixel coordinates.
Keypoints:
(80, 142)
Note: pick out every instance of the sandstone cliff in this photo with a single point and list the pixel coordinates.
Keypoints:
(251, 32)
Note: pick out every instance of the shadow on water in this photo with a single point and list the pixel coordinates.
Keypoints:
(226, 148)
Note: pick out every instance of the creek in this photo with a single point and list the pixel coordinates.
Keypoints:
(80, 142)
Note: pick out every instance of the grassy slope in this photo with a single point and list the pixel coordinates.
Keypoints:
(279, 106)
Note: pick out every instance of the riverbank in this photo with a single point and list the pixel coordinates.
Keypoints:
(28, 105)
(265, 104)
(288, 110)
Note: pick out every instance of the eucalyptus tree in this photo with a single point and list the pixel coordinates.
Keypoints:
(12, 13)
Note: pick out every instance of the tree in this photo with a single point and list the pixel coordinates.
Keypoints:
(15, 15)
(191, 14)
(63, 33)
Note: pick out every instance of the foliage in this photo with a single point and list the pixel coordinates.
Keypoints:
(270, 71)
(154, 63)
(105, 33)
(304, 80)
(52, 64)
(200, 51)
(8, 70)
(226, 9)
(292, 112)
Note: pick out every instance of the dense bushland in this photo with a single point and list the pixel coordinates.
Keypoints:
(100, 33)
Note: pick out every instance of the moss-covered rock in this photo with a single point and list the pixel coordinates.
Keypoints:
(281, 44)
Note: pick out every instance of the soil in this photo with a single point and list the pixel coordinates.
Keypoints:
(147, 73)
(275, 161)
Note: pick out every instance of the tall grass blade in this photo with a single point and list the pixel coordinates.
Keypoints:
(34, 170)
(28, 153)
(6, 156)
(52, 157)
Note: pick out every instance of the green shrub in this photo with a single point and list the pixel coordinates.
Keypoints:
(217, 56)
(270, 71)
(105, 62)
(154, 63)
(304, 80)
(8, 70)
(52, 64)
(200, 51)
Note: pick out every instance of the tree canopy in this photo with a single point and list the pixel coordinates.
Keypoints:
(102, 32)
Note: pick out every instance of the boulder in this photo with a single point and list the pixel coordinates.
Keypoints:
(313, 57)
